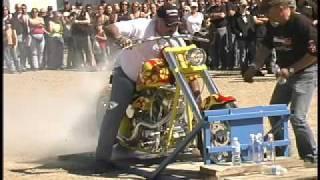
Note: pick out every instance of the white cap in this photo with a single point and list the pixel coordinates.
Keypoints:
(194, 4)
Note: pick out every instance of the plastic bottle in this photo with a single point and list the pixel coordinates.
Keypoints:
(270, 149)
(258, 148)
(251, 150)
(274, 170)
(236, 152)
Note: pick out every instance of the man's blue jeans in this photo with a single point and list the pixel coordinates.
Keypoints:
(122, 92)
(298, 91)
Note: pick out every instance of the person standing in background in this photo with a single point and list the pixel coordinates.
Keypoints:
(243, 26)
(55, 42)
(10, 43)
(218, 19)
(81, 36)
(37, 31)
(194, 19)
(100, 47)
(124, 14)
(18, 26)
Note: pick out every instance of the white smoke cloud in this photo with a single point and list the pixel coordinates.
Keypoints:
(50, 113)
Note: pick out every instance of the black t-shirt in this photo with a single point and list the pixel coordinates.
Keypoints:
(222, 22)
(309, 9)
(20, 27)
(260, 29)
(81, 29)
(292, 40)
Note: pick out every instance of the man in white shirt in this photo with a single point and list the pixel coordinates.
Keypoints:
(126, 71)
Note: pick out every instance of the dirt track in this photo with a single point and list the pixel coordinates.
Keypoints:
(50, 113)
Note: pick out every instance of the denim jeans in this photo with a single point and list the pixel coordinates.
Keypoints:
(23, 50)
(122, 92)
(37, 49)
(10, 58)
(220, 48)
(298, 91)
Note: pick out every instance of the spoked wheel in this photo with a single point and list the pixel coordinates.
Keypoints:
(219, 134)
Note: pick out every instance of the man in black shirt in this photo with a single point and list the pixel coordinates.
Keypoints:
(218, 18)
(295, 40)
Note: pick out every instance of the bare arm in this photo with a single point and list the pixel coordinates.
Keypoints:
(103, 37)
(86, 21)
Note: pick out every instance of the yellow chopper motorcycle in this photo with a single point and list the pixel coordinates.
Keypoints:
(165, 108)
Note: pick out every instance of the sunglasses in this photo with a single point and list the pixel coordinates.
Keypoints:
(172, 25)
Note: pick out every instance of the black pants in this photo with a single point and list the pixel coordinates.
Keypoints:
(247, 50)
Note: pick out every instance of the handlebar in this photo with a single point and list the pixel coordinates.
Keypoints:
(155, 38)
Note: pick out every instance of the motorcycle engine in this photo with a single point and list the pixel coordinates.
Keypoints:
(150, 114)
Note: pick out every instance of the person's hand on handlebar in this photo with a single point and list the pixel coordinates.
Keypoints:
(124, 42)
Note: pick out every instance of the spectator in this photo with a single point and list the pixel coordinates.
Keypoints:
(232, 48)
(124, 14)
(55, 42)
(26, 51)
(6, 15)
(309, 9)
(116, 8)
(37, 31)
(194, 19)
(260, 28)
(243, 26)
(100, 18)
(111, 15)
(202, 7)
(145, 10)
(185, 13)
(135, 10)
(100, 47)
(153, 10)
(218, 17)
(66, 6)
(10, 43)
(81, 37)
(67, 38)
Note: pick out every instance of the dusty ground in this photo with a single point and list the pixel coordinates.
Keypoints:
(51, 113)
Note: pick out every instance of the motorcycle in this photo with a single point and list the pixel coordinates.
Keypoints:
(165, 107)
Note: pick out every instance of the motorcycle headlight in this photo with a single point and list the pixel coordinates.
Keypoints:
(196, 56)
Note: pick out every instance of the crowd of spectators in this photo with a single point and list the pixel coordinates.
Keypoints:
(39, 38)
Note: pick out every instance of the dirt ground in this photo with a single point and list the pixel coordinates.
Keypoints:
(51, 113)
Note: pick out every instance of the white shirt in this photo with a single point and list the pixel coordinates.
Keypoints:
(130, 60)
(194, 22)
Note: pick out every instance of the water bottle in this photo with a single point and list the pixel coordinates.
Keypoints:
(275, 70)
(276, 170)
(270, 149)
(236, 152)
(251, 152)
(258, 146)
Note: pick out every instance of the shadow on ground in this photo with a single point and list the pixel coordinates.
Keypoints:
(138, 167)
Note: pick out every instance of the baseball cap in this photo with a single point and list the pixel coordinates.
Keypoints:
(169, 13)
(243, 2)
(267, 4)
(194, 4)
